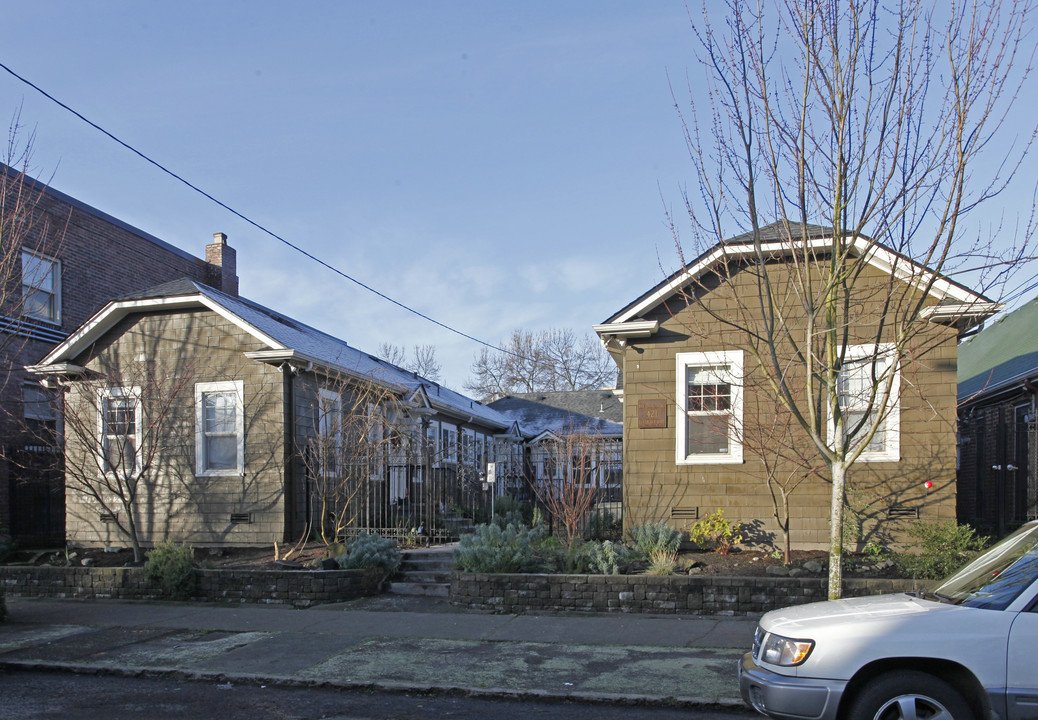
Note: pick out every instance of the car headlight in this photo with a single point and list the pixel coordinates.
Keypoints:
(785, 651)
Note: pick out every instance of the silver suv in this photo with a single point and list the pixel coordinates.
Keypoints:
(965, 651)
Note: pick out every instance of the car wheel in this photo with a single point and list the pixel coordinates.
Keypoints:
(909, 695)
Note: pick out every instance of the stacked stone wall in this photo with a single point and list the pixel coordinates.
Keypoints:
(676, 594)
(300, 588)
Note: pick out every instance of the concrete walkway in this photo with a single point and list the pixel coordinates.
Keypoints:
(415, 644)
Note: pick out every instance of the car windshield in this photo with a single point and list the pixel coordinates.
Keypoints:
(998, 576)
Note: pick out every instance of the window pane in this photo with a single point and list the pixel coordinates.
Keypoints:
(222, 452)
(120, 454)
(37, 272)
(38, 304)
(119, 416)
(707, 434)
(37, 403)
(220, 413)
(879, 440)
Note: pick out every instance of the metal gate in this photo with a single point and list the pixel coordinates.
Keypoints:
(426, 505)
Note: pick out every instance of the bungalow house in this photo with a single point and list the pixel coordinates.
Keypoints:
(998, 381)
(551, 430)
(62, 260)
(703, 432)
(198, 415)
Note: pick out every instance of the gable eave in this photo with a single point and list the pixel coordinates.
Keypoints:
(878, 256)
(114, 312)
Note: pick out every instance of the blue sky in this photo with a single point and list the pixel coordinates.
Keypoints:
(493, 165)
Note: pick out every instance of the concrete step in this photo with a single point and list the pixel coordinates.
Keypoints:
(424, 572)
(428, 589)
(426, 565)
(418, 576)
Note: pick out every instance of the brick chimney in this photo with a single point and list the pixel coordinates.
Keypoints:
(223, 265)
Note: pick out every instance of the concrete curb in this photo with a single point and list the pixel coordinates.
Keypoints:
(688, 702)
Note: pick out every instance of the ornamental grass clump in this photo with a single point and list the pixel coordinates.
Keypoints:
(170, 565)
(496, 549)
(658, 543)
(368, 550)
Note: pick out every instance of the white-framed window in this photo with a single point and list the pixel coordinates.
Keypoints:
(869, 391)
(468, 446)
(709, 407)
(329, 430)
(219, 428)
(119, 430)
(449, 443)
(41, 287)
(432, 440)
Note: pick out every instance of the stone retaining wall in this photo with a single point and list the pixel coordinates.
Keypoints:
(682, 594)
(297, 587)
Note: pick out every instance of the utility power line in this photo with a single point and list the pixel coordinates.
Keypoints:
(247, 219)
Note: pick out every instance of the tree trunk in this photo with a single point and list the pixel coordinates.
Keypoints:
(839, 471)
(131, 530)
(785, 528)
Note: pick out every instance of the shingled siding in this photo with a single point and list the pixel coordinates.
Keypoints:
(677, 594)
(293, 587)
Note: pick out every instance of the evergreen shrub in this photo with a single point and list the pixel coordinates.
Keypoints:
(368, 550)
(170, 565)
(496, 549)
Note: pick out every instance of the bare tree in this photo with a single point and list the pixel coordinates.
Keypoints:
(551, 360)
(567, 480)
(855, 126)
(422, 360)
(27, 240)
(351, 439)
(128, 434)
(770, 434)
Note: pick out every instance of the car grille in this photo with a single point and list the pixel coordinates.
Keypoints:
(758, 638)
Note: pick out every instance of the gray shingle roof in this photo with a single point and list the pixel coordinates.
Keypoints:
(326, 349)
(603, 403)
(1004, 353)
(536, 417)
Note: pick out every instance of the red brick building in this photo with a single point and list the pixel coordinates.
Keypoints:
(72, 259)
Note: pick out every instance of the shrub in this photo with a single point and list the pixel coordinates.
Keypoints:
(607, 558)
(653, 537)
(495, 549)
(368, 550)
(170, 565)
(716, 532)
(507, 504)
(510, 517)
(943, 548)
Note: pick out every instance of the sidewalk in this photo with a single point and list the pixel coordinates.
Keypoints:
(388, 643)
